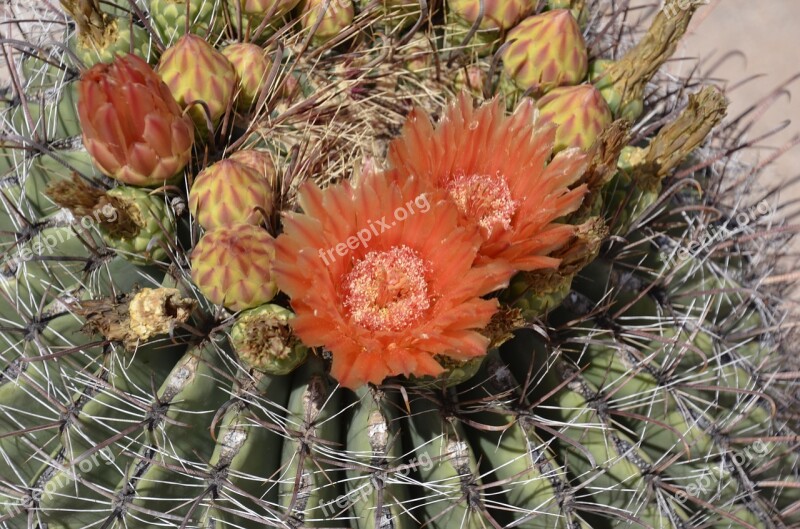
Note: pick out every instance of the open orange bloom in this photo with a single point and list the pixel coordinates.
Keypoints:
(498, 170)
(383, 277)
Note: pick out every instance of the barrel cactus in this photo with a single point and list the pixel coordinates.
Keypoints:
(539, 299)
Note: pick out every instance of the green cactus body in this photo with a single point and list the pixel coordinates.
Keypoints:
(121, 37)
(54, 119)
(517, 457)
(246, 457)
(187, 390)
(374, 439)
(535, 296)
(44, 71)
(46, 170)
(88, 474)
(309, 488)
(170, 18)
(23, 391)
(451, 492)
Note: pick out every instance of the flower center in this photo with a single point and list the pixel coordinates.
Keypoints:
(387, 291)
(484, 198)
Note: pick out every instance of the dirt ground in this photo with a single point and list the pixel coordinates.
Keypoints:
(756, 41)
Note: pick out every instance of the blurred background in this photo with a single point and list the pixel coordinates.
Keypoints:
(751, 48)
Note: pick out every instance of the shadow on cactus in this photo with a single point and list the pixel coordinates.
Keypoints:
(382, 265)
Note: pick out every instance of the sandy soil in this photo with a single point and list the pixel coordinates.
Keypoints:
(739, 40)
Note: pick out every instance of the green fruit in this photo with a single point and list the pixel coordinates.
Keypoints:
(102, 36)
(623, 82)
(536, 294)
(119, 38)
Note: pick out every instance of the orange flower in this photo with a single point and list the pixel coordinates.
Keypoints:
(132, 126)
(495, 169)
(383, 277)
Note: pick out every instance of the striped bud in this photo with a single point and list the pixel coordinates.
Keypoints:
(228, 193)
(261, 161)
(498, 17)
(326, 18)
(580, 112)
(545, 51)
(252, 69)
(232, 266)
(196, 72)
